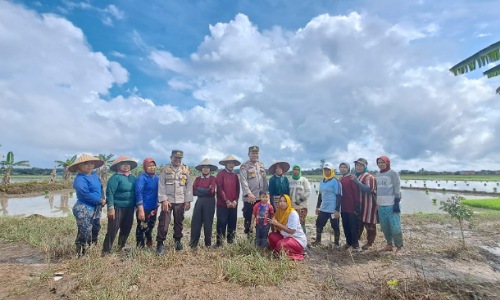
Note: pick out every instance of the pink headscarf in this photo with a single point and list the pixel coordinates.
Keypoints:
(387, 162)
(145, 164)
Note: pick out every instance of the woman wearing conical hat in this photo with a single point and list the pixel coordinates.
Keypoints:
(89, 203)
(278, 183)
(120, 200)
(204, 208)
(228, 193)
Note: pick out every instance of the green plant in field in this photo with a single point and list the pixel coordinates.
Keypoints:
(483, 203)
(65, 164)
(9, 163)
(456, 210)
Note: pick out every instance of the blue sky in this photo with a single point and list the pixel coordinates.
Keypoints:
(304, 80)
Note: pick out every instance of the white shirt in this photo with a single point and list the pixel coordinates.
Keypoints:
(294, 223)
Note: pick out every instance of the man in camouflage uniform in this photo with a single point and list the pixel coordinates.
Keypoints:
(253, 180)
(175, 194)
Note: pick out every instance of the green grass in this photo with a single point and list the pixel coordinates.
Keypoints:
(483, 203)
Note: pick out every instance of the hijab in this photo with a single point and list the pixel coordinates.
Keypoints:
(387, 163)
(145, 164)
(366, 169)
(300, 172)
(332, 173)
(348, 168)
(282, 214)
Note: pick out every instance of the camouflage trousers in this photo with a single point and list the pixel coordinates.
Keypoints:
(88, 222)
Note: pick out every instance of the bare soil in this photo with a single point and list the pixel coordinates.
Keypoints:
(433, 266)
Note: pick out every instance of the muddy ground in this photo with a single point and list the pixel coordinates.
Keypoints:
(433, 266)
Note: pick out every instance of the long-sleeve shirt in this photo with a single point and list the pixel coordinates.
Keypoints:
(253, 179)
(330, 192)
(350, 195)
(262, 213)
(300, 190)
(88, 188)
(228, 187)
(146, 191)
(120, 191)
(278, 185)
(388, 187)
(175, 185)
(367, 185)
(204, 186)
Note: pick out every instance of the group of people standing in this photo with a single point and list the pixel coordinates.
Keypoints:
(279, 205)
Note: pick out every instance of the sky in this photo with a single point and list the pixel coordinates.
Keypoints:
(303, 80)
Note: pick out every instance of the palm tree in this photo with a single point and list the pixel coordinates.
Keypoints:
(103, 171)
(9, 164)
(65, 164)
(483, 57)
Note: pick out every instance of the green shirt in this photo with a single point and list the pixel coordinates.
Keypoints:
(120, 191)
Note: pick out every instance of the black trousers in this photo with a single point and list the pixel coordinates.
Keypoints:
(323, 218)
(226, 218)
(164, 222)
(203, 215)
(350, 222)
(124, 217)
(146, 227)
(248, 214)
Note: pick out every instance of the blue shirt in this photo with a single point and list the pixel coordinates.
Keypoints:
(146, 191)
(88, 188)
(329, 191)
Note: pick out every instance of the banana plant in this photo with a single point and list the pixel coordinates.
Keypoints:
(103, 171)
(65, 164)
(480, 59)
(9, 163)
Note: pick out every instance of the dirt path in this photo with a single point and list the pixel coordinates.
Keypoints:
(433, 266)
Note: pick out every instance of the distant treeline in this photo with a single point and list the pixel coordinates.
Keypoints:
(32, 171)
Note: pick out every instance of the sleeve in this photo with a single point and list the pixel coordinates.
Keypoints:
(212, 186)
(396, 183)
(237, 189)
(318, 204)
(110, 191)
(271, 211)
(243, 180)
(162, 187)
(219, 180)
(255, 210)
(81, 185)
(363, 187)
(292, 223)
(189, 188)
(271, 186)
(195, 185)
(265, 183)
(355, 193)
(139, 188)
(287, 185)
(307, 188)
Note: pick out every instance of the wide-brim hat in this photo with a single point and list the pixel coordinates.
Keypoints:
(123, 158)
(85, 158)
(208, 163)
(361, 161)
(229, 159)
(284, 166)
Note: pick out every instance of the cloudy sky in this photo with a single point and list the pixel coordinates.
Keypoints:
(305, 80)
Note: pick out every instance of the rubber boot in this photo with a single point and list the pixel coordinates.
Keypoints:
(317, 242)
(336, 243)
(178, 245)
(159, 248)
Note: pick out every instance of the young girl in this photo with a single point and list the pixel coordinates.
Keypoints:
(388, 198)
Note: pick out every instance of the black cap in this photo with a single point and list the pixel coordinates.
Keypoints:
(253, 149)
(177, 153)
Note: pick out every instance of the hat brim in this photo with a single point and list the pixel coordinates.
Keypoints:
(114, 167)
(284, 166)
(225, 162)
(212, 167)
(97, 164)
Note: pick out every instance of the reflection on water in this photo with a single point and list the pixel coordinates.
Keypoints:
(59, 205)
(451, 185)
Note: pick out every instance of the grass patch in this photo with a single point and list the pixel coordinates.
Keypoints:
(483, 203)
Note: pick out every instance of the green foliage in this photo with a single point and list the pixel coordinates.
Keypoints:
(456, 210)
(10, 163)
(483, 203)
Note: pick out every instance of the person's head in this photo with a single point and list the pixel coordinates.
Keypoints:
(279, 168)
(123, 164)
(361, 165)
(176, 158)
(344, 168)
(205, 167)
(230, 162)
(384, 164)
(264, 197)
(296, 170)
(284, 202)
(253, 153)
(149, 166)
(85, 164)
(328, 170)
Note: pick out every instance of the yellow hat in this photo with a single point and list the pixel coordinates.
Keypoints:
(85, 158)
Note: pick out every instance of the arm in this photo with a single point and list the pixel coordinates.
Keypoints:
(139, 188)
(243, 180)
(307, 188)
(196, 186)
(287, 185)
(219, 180)
(110, 192)
(81, 185)
(271, 185)
(162, 187)
(396, 183)
(189, 190)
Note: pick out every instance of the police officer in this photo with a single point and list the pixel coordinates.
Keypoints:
(253, 180)
(175, 195)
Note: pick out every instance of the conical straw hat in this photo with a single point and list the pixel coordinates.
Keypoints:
(85, 158)
(206, 162)
(284, 165)
(122, 158)
(228, 159)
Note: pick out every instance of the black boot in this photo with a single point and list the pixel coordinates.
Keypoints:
(336, 243)
(317, 242)
(178, 245)
(159, 248)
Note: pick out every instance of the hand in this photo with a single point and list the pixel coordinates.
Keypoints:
(140, 213)
(273, 221)
(395, 207)
(336, 215)
(353, 177)
(111, 214)
(103, 202)
(165, 206)
(251, 198)
(317, 211)
(234, 204)
(187, 206)
(357, 210)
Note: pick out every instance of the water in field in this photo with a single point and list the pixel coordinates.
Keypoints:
(60, 204)
(451, 185)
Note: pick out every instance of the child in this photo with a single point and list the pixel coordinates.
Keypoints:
(388, 198)
(262, 212)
